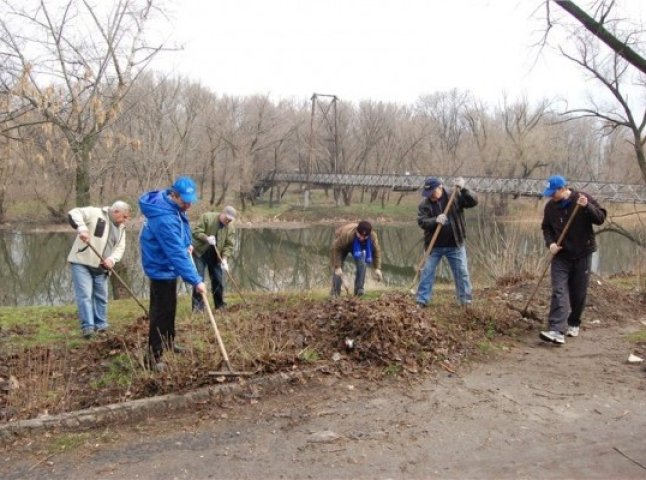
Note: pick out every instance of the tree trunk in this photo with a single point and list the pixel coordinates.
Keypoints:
(82, 155)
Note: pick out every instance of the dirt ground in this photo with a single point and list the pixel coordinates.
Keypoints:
(533, 410)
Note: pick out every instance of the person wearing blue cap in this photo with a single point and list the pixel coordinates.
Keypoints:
(572, 259)
(165, 242)
(450, 240)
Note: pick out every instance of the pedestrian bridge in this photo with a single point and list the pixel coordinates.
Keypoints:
(524, 187)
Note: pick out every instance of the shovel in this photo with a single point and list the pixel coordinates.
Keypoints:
(223, 350)
(432, 242)
(118, 278)
(548, 263)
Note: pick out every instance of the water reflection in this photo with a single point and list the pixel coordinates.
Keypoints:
(34, 269)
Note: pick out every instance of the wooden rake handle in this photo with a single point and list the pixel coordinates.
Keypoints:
(217, 332)
(113, 271)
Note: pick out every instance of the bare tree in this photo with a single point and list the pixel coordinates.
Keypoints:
(74, 62)
(610, 68)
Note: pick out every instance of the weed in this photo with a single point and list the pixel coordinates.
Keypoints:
(309, 354)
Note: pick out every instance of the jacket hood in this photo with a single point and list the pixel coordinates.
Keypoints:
(156, 203)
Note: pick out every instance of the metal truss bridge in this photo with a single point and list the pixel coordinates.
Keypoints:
(524, 187)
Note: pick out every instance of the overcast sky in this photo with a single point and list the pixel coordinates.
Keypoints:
(388, 50)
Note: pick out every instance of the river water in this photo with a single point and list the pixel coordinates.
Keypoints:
(34, 269)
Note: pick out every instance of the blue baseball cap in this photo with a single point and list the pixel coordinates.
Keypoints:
(186, 189)
(553, 184)
(430, 184)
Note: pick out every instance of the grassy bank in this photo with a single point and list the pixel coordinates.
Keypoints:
(47, 367)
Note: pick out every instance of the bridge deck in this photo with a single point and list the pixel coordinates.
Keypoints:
(526, 187)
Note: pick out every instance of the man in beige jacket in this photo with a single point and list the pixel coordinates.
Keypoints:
(361, 241)
(103, 229)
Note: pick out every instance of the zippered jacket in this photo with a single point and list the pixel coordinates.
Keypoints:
(165, 239)
(344, 238)
(579, 240)
(98, 223)
(428, 211)
(209, 224)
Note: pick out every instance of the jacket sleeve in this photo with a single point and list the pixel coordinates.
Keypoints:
(424, 219)
(77, 218)
(467, 198)
(169, 232)
(549, 235)
(594, 211)
(199, 230)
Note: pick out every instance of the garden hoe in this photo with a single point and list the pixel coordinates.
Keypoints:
(524, 312)
(112, 270)
(231, 372)
(432, 242)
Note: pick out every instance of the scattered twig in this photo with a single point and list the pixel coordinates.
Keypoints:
(47, 458)
(631, 459)
(447, 368)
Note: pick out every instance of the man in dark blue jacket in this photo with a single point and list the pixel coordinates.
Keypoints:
(450, 240)
(165, 242)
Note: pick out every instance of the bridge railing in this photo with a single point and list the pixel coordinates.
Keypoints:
(526, 187)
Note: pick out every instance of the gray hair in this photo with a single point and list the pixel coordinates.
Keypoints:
(120, 206)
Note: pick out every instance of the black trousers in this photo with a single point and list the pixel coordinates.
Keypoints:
(570, 280)
(210, 262)
(163, 306)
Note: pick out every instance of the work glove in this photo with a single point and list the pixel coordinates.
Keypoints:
(338, 271)
(554, 248)
(379, 276)
(211, 239)
(441, 219)
(459, 182)
(582, 200)
(225, 265)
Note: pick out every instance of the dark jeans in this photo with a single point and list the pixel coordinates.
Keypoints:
(163, 305)
(569, 289)
(209, 261)
(359, 279)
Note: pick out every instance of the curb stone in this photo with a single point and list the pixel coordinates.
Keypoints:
(136, 409)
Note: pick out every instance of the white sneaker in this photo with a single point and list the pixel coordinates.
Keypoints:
(552, 336)
(572, 331)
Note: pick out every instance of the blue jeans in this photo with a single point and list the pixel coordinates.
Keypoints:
(457, 258)
(91, 293)
(359, 278)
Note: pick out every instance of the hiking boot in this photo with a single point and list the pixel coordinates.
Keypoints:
(88, 333)
(178, 349)
(554, 337)
(101, 332)
(572, 331)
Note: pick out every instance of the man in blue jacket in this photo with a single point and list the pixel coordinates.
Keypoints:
(165, 242)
